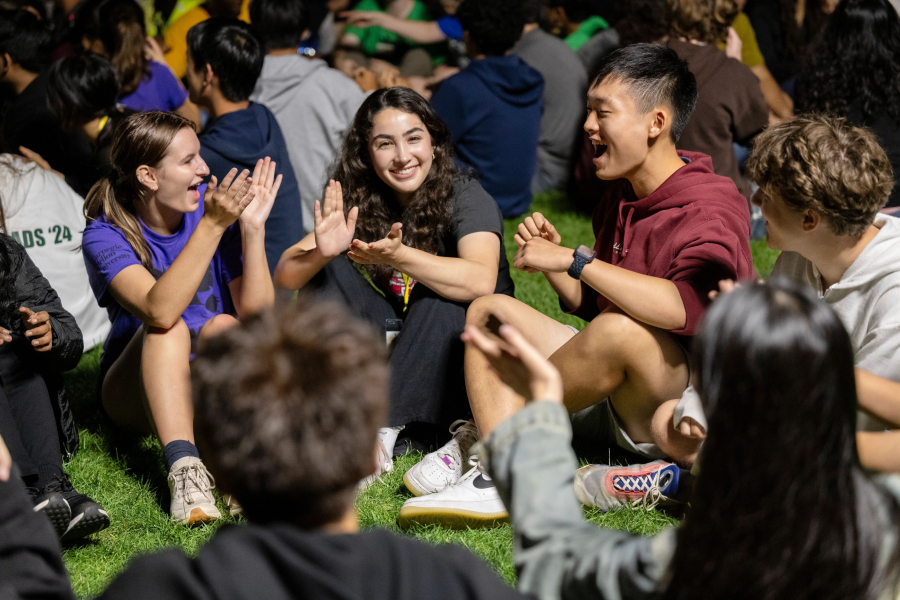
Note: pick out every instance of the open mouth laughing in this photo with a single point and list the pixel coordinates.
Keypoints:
(404, 173)
(599, 149)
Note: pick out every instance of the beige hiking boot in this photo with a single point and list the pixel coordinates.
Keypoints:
(191, 485)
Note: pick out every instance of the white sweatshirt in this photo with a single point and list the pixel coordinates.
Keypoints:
(866, 300)
(46, 216)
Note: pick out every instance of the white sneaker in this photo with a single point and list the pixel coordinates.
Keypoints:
(234, 507)
(191, 485)
(444, 467)
(385, 465)
(472, 502)
(636, 486)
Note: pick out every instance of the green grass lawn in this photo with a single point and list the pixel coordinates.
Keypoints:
(127, 475)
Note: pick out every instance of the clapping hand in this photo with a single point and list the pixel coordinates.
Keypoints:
(264, 188)
(536, 226)
(224, 204)
(382, 252)
(333, 232)
(518, 364)
(37, 328)
(5, 461)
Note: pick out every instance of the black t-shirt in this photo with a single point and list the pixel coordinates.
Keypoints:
(282, 562)
(475, 211)
(29, 122)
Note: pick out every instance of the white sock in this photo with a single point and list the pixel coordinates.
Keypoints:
(388, 437)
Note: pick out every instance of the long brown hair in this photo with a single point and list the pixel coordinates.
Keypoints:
(141, 139)
(429, 215)
(119, 26)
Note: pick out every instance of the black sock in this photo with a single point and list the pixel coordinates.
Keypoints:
(46, 474)
(177, 450)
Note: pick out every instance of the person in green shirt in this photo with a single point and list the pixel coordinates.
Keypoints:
(379, 42)
(576, 21)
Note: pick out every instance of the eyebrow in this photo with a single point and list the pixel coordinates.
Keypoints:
(390, 137)
(189, 156)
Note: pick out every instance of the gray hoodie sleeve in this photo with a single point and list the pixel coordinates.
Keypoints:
(558, 554)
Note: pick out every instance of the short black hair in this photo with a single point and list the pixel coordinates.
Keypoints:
(233, 50)
(493, 25)
(81, 89)
(654, 75)
(280, 23)
(25, 38)
(534, 11)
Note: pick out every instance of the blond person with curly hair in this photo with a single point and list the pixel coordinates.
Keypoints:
(822, 183)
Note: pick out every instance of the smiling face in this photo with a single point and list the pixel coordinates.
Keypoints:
(619, 132)
(401, 151)
(177, 176)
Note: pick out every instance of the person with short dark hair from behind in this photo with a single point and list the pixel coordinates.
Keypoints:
(313, 103)
(82, 93)
(29, 128)
(225, 59)
(846, 80)
(288, 405)
(565, 83)
(116, 29)
(730, 105)
(424, 241)
(666, 229)
(822, 183)
(774, 372)
(494, 106)
(173, 260)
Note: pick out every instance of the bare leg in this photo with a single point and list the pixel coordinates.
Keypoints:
(491, 400)
(166, 375)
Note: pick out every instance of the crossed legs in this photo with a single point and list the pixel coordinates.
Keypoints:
(637, 366)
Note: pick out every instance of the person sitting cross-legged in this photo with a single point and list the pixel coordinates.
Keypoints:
(288, 405)
(781, 508)
(666, 229)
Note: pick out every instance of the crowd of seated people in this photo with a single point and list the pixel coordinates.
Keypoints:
(283, 220)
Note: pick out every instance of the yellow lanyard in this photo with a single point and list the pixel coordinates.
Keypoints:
(405, 291)
(103, 122)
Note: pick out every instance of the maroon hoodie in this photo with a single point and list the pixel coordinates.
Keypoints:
(693, 230)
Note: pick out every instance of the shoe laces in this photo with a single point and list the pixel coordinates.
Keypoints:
(648, 484)
(466, 434)
(477, 468)
(191, 479)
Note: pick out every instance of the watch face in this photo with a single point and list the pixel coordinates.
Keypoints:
(584, 251)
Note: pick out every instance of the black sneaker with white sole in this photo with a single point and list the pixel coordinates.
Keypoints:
(52, 504)
(87, 516)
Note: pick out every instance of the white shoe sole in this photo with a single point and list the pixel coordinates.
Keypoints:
(198, 516)
(452, 518)
(415, 487)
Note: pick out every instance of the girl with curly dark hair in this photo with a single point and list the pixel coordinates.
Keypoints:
(856, 74)
(408, 242)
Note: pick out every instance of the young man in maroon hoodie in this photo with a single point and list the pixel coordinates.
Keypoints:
(667, 230)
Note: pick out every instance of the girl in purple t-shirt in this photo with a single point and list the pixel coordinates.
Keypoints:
(170, 270)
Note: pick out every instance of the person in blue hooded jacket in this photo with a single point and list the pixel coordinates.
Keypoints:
(224, 61)
(494, 106)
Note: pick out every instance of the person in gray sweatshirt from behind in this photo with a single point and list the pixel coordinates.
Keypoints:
(313, 103)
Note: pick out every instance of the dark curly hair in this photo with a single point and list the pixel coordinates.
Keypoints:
(857, 59)
(822, 163)
(644, 22)
(706, 21)
(429, 215)
(288, 406)
(493, 25)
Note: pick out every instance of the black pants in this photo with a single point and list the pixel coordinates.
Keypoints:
(427, 383)
(27, 422)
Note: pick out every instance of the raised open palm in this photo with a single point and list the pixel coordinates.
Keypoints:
(264, 189)
(333, 232)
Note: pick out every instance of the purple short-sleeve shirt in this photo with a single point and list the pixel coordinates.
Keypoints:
(158, 90)
(106, 253)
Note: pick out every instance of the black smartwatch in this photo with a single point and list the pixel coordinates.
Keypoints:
(583, 255)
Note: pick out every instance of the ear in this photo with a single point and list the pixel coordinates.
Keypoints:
(147, 177)
(811, 221)
(660, 122)
(208, 75)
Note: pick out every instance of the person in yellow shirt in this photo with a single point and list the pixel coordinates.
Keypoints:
(188, 13)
